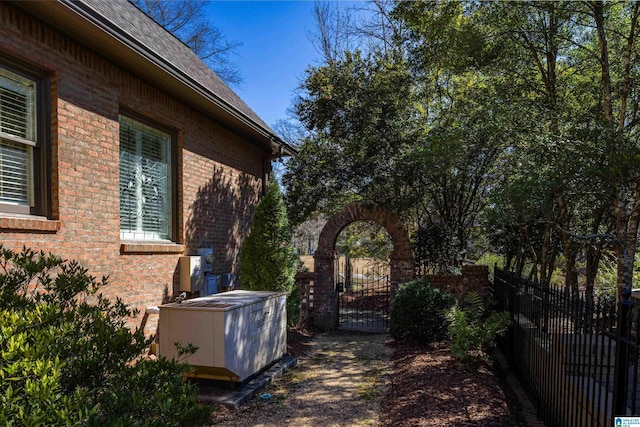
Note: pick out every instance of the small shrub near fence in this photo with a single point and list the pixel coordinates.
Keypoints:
(473, 331)
(418, 312)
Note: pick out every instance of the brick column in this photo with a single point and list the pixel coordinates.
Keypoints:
(401, 271)
(325, 303)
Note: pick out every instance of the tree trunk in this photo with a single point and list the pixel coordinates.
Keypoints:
(593, 254)
(627, 221)
(552, 264)
(570, 279)
(520, 254)
(545, 252)
(628, 196)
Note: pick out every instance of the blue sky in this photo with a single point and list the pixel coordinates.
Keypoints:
(275, 50)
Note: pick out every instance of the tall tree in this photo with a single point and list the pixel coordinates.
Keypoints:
(539, 38)
(356, 111)
(392, 128)
(572, 147)
(267, 259)
(188, 21)
(528, 109)
(589, 98)
(618, 53)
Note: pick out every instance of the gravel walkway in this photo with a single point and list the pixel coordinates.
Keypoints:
(339, 383)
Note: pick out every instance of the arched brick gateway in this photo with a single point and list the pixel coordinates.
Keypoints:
(325, 297)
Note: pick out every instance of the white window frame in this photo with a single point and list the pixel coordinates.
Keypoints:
(19, 151)
(147, 192)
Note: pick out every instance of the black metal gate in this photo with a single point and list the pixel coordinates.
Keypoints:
(364, 296)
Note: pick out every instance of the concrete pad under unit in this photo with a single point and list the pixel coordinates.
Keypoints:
(245, 392)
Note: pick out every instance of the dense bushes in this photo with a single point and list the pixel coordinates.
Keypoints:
(68, 357)
(418, 313)
(422, 314)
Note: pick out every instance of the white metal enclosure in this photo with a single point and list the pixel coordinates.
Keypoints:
(237, 333)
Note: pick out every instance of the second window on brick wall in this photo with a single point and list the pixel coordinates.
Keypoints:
(146, 178)
(23, 162)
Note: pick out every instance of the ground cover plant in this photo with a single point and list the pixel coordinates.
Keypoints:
(472, 332)
(68, 357)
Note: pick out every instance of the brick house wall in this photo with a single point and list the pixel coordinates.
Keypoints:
(219, 173)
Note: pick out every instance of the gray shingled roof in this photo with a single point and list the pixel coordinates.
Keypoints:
(130, 20)
(122, 33)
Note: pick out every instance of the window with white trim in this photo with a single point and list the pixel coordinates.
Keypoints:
(146, 177)
(18, 142)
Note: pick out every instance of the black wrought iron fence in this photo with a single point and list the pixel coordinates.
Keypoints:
(577, 356)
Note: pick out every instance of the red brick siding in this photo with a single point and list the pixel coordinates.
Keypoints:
(219, 172)
(473, 278)
(451, 284)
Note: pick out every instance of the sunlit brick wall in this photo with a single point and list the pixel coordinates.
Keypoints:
(220, 172)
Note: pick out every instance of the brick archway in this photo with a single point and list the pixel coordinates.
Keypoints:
(325, 297)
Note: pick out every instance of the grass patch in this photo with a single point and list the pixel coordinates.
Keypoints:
(369, 389)
(296, 377)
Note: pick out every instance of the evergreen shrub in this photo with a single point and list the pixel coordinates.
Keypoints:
(268, 262)
(418, 313)
(69, 358)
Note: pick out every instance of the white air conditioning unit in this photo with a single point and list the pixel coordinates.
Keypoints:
(237, 333)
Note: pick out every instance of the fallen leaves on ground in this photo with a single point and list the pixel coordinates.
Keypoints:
(346, 379)
(429, 387)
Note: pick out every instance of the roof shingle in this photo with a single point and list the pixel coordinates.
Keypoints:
(139, 27)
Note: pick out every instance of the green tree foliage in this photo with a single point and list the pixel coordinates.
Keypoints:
(267, 259)
(553, 187)
(435, 249)
(397, 130)
(418, 313)
(364, 239)
(68, 357)
(566, 177)
(356, 111)
(519, 116)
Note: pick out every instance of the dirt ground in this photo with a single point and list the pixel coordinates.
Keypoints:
(428, 387)
(351, 379)
(338, 382)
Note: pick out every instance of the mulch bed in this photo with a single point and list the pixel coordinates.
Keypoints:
(299, 341)
(428, 387)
